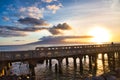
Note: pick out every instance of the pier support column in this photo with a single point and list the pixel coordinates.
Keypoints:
(108, 56)
(90, 63)
(5, 70)
(67, 62)
(119, 58)
(74, 61)
(103, 62)
(56, 68)
(31, 66)
(60, 65)
(50, 63)
(114, 64)
(110, 60)
(84, 58)
(46, 62)
(8, 68)
(81, 64)
(103, 59)
(95, 64)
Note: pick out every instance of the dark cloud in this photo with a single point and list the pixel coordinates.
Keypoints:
(52, 39)
(61, 38)
(55, 30)
(63, 26)
(10, 33)
(17, 31)
(25, 29)
(58, 39)
(33, 21)
(19, 40)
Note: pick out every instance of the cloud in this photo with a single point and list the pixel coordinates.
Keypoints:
(10, 33)
(55, 30)
(58, 39)
(47, 1)
(25, 29)
(20, 31)
(62, 37)
(33, 21)
(18, 40)
(54, 7)
(32, 11)
(63, 26)
(5, 18)
(115, 4)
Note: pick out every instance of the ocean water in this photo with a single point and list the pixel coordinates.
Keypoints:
(70, 72)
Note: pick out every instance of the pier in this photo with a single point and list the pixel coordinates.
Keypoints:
(46, 54)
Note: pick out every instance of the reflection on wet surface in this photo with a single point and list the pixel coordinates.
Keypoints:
(99, 66)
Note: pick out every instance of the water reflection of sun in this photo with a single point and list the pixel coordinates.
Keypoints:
(100, 35)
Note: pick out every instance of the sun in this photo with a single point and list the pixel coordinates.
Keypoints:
(100, 35)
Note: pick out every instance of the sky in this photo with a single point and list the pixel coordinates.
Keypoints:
(59, 21)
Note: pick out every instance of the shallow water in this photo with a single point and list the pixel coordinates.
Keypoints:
(69, 72)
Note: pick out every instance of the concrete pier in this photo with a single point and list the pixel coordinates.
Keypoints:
(50, 63)
(46, 62)
(67, 62)
(81, 64)
(90, 63)
(60, 65)
(74, 61)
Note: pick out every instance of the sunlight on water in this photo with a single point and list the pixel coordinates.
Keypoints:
(70, 72)
(99, 65)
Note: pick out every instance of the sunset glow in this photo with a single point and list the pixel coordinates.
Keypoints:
(59, 21)
(100, 35)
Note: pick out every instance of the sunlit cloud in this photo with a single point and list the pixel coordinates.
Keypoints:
(54, 7)
(47, 1)
(32, 11)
